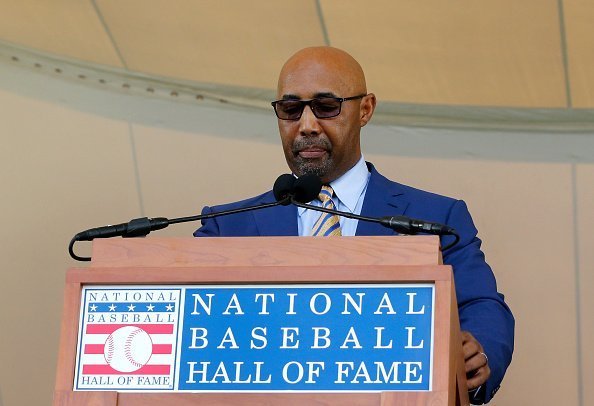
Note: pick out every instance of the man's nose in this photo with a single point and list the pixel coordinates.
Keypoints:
(308, 123)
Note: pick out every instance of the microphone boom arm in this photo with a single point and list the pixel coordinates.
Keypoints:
(141, 227)
(400, 224)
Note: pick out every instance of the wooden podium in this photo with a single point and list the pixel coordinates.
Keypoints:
(278, 260)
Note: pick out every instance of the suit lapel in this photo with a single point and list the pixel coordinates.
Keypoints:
(382, 198)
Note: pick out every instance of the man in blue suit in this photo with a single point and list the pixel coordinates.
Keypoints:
(323, 104)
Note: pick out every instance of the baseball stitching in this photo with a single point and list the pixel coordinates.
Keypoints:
(128, 348)
(110, 349)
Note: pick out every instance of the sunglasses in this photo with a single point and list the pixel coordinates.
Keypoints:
(322, 107)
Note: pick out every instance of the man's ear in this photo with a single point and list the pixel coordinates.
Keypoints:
(367, 108)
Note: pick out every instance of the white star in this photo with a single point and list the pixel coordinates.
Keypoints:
(112, 307)
(131, 308)
(93, 307)
(169, 308)
(150, 308)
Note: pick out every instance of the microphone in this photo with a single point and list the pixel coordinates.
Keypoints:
(303, 189)
(141, 227)
(401, 224)
(283, 188)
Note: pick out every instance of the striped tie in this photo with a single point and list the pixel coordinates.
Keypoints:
(328, 224)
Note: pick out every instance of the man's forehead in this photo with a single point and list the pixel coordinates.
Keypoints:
(311, 74)
(312, 83)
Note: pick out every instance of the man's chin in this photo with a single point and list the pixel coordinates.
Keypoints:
(318, 167)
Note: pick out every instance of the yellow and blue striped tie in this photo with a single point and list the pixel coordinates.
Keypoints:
(328, 224)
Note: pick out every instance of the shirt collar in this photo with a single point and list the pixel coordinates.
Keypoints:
(349, 186)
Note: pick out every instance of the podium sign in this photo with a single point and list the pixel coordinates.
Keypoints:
(256, 338)
(261, 321)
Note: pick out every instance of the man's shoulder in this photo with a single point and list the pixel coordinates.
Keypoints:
(266, 197)
(237, 224)
(410, 193)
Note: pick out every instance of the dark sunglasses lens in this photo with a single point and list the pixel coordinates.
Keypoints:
(289, 109)
(325, 107)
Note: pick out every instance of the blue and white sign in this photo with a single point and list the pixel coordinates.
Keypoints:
(261, 338)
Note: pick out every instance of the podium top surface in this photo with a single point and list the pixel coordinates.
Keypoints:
(266, 251)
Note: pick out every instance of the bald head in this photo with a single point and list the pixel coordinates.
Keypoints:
(318, 63)
(314, 143)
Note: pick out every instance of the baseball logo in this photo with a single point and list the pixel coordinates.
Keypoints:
(128, 349)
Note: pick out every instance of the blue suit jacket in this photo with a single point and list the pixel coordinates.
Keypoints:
(482, 309)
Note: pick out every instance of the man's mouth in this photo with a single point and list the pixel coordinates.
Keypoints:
(312, 152)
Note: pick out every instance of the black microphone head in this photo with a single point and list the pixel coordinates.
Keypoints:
(283, 187)
(307, 188)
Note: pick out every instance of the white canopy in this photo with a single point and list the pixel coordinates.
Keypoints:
(432, 63)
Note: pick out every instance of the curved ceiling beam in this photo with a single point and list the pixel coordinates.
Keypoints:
(388, 113)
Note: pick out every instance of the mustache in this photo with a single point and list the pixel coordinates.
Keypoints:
(303, 143)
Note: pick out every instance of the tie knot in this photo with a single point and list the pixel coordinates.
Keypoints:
(326, 193)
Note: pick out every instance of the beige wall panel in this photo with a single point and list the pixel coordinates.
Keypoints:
(181, 172)
(65, 27)
(579, 15)
(233, 42)
(487, 53)
(61, 171)
(513, 205)
(585, 220)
